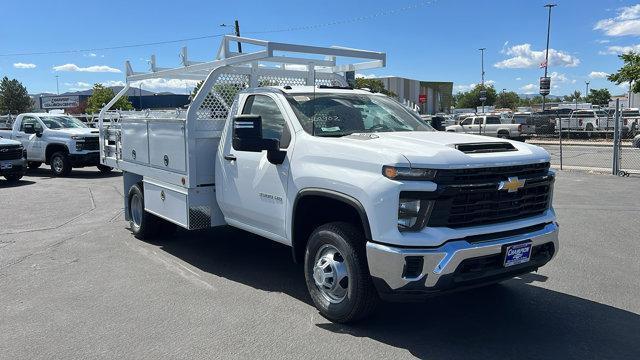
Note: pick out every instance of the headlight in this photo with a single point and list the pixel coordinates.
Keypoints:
(79, 142)
(77, 137)
(408, 173)
(413, 213)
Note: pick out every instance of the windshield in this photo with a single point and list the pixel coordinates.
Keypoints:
(62, 122)
(344, 114)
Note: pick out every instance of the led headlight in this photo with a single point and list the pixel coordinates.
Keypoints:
(79, 142)
(408, 173)
(413, 213)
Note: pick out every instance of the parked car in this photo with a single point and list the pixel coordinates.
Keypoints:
(491, 125)
(636, 141)
(13, 162)
(587, 120)
(630, 122)
(373, 203)
(58, 140)
(541, 122)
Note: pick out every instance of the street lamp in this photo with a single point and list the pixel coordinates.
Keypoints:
(483, 93)
(546, 56)
(586, 93)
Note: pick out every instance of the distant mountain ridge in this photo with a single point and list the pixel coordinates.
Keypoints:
(116, 89)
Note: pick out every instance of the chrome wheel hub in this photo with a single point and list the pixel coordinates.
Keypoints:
(330, 274)
(57, 164)
(136, 210)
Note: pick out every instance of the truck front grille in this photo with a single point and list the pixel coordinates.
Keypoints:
(10, 152)
(471, 197)
(91, 143)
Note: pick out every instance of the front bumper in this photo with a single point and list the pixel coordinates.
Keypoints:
(409, 273)
(18, 167)
(87, 159)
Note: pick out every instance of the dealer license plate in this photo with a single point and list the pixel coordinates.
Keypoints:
(517, 254)
(5, 165)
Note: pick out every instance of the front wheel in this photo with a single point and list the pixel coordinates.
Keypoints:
(13, 178)
(104, 169)
(60, 164)
(337, 274)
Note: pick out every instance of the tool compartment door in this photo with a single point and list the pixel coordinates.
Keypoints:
(167, 148)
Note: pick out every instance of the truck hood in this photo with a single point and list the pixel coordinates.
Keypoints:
(76, 131)
(5, 142)
(438, 149)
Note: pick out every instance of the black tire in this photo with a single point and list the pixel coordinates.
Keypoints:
(34, 164)
(503, 135)
(589, 127)
(145, 225)
(104, 168)
(13, 177)
(60, 164)
(636, 141)
(360, 298)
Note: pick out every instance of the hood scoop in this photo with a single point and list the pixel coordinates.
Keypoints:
(489, 147)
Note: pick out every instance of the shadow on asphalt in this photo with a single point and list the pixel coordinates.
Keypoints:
(79, 173)
(4, 184)
(513, 320)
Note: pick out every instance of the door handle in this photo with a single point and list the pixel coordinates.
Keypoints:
(230, 157)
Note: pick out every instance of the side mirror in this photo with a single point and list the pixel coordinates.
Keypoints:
(39, 133)
(247, 136)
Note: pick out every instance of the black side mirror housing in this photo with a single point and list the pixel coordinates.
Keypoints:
(39, 133)
(247, 136)
(29, 129)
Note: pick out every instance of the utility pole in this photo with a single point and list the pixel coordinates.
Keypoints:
(237, 32)
(57, 86)
(546, 56)
(483, 93)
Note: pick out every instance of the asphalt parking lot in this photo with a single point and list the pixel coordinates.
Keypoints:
(74, 283)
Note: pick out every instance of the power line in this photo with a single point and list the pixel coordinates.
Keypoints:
(296, 28)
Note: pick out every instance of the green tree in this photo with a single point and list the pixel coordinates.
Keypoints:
(101, 96)
(507, 99)
(599, 96)
(374, 85)
(14, 97)
(471, 99)
(629, 72)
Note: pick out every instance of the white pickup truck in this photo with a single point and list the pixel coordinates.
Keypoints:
(492, 125)
(373, 202)
(61, 141)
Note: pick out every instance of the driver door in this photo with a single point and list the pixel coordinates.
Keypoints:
(29, 139)
(254, 190)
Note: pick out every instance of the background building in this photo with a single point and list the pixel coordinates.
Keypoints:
(431, 96)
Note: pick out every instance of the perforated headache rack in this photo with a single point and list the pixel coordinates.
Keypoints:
(266, 64)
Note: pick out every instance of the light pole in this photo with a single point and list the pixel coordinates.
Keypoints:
(57, 86)
(237, 32)
(483, 94)
(586, 93)
(546, 56)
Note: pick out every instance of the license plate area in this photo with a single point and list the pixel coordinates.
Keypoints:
(516, 254)
(5, 165)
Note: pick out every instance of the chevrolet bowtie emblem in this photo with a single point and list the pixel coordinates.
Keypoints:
(513, 184)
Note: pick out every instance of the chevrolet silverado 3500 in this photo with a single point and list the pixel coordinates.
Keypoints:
(59, 140)
(372, 201)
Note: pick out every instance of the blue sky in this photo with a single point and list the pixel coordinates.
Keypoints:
(426, 40)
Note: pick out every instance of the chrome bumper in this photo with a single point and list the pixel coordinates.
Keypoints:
(387, 263)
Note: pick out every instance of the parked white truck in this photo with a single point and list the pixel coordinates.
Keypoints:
(374, 202)
(492, 125)
(59, 140)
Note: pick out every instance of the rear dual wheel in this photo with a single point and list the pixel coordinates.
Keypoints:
(144, 225)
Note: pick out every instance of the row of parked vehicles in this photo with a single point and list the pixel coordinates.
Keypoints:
(61, 141)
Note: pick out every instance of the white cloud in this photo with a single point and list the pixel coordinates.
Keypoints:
(598, 75)
(616, 50)
(529, 88)
(92, 69)
(24, 66)
(518, 78)
(365, 76)
(160, 85)
(603, 41)
(627, 22)
(468, 87)
(624, 86)
(504, 47)
(522, 56)
(81, 85)
(558, 78)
